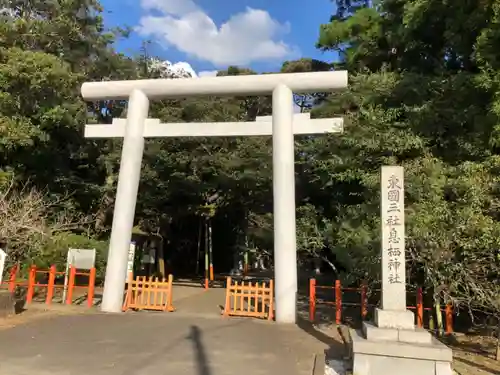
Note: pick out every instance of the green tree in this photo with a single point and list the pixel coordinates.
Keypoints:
(421, 97)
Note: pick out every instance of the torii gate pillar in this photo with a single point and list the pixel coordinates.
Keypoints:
(125, 202)
(285, 243)
(139, 92)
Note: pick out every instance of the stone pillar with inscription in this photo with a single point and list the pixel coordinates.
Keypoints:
(392, 345)
(393, 312)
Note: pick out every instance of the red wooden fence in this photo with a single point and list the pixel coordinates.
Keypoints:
(338, 303)
(51, 274)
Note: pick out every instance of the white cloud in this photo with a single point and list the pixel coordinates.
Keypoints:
(249, 36)
(208, 73)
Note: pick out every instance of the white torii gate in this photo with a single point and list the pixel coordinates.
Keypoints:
(281, 125)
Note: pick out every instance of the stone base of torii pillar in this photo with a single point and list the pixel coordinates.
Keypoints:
(392, 345)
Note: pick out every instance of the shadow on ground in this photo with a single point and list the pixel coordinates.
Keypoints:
(336, 348)
(199, 350)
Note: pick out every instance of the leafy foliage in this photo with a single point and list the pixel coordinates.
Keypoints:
(422, 96)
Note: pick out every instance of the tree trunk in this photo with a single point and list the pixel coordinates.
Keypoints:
(106, 204)
(210, 253)
(200, 229)
(497, 355)
(432, 326)
(245, 259)
(161, 258)
(439, 316)
(206, 249)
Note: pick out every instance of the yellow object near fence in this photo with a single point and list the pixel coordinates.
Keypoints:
(249, 299)
(145, 293)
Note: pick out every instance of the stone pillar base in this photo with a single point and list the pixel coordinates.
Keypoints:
(414, 336)
(395, 319)
(7, 303)
(378, 353)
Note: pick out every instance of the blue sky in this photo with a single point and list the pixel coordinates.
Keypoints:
(212, 34)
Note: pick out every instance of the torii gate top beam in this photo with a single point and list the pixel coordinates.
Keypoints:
(249, 85)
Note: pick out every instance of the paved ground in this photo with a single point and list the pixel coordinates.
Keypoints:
(195, 340)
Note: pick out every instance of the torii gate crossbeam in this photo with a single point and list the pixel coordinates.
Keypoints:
(281, 127)
(302, 124)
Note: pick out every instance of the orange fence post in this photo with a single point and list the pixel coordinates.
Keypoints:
(364, 307)
(90, 294)
(338, 302)
(12, 279)
(249, 300)
(211, 272)
(227, 305)
(312, 300)
(71, 285)
(170, 303)
(449, 319)
(50, 286)
(206, 283)
(31, 284)
(420, 308)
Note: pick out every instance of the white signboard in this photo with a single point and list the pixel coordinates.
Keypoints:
(83, 259)
(130, 262)
(3, 255)
(393, 238)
